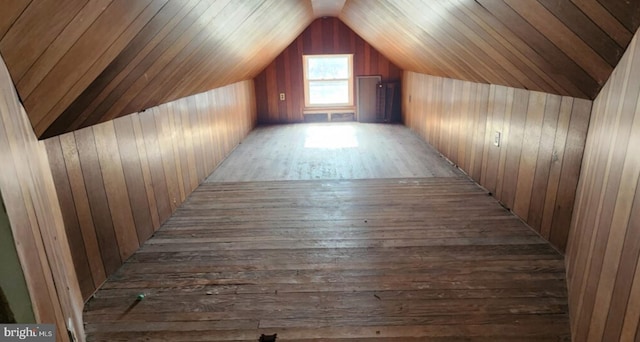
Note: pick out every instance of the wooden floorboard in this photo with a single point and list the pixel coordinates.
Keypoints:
(343, 150)
(396, 259)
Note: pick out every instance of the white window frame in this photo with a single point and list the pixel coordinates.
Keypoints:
(307, 103)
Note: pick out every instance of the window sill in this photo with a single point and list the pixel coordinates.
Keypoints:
(328, 109)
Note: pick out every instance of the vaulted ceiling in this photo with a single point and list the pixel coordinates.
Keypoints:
(566, 47)
(80, 62)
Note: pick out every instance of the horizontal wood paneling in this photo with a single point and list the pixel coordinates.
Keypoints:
(76, 63)
(534, 171)
(603, 258)
(560, 47)
(29, 195)
(119, 180)
(285, 74)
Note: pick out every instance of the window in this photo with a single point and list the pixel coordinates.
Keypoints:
(328, 80)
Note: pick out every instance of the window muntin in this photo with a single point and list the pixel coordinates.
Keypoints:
(328, 80)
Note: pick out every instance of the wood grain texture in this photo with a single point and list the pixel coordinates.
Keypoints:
(534, 171)
(559, 47)
(603, 257)
(72, 225)
(344, 150)
(285, 74)
(124, 173)
(417, 259)
(77, 63)
(36, 219)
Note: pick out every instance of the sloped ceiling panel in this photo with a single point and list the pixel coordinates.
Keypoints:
(566, 47)
(77, 62)
(80, 62)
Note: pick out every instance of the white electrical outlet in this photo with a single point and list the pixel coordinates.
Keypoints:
(496, 139)
(281, 96)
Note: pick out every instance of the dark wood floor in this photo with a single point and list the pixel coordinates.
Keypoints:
(414, 259)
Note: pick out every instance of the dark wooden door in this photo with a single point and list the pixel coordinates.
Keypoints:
(366, 99)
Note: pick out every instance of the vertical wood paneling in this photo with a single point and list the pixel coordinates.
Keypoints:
(285, 74)
(529, 154)
(557, 157)
(573, 155)
(168, 158)
(72, 225)
(98, 209)
(115, 188)
(506, 130)
(82, 207)
(543, 161)
(151, 142)
(138, 169)
(534, 171)
(514, 146)
(146, 173)
(36, 220)
(132, 170)
(603, 258)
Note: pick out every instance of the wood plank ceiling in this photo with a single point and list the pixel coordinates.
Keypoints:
(566, 47)
(76, 63)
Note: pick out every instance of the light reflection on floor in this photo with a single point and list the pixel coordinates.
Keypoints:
(332, 136)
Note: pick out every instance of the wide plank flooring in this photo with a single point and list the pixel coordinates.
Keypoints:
(410, 259)
(343, 150)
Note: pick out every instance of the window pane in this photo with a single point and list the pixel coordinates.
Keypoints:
(328, 92)
(327, 68)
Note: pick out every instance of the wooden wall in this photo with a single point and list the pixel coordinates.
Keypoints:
(119, 180)
(36, 222)
(603, 256)
(285, 74)
(534, 171)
